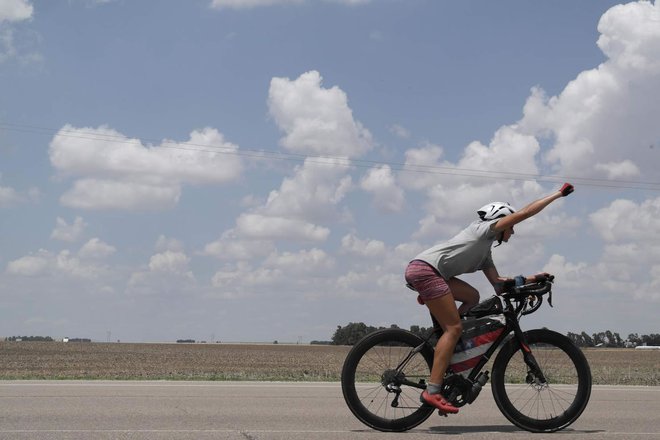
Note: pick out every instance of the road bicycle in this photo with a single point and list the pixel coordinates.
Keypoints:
(540, 380)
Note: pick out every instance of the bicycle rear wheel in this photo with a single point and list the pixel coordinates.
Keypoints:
(380, 391)
(525, 400)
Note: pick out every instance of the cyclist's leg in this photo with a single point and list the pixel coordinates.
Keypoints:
(465, 293)
(445, 312)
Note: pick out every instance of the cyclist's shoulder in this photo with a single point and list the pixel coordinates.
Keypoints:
(482, 229)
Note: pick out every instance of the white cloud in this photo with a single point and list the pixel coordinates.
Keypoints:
(169, 261)
(508, 147)
(7, 47)
(420, 162)
(231, 247)
(303, 262)
(626, 263)
(630, 35)
(603, 122)
(624, 220)
(456, 190)
(454, 204)
(168, 274)
(242, 280)
(168, 244)
(380, 182)
(69, 232)
(316, 120)
(312, 193)
(121, 195)
(115, 172)
(569, 274)
(8, 196)
(364, 248)
(96, 248)
(400, 131)
(30, 265)
(46, 263)
(291, 212)
(258, 226)
(619, 170)
(15, 10)
(18, 43)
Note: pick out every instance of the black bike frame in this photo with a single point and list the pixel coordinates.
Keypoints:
(511, 325)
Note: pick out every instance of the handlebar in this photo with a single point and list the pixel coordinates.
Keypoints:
(530, 296)
(535, 288)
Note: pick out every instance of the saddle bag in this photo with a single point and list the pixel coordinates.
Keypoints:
(490, 306)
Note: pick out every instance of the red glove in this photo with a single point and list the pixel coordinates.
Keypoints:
(566, 189)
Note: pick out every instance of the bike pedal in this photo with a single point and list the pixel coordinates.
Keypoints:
(442, 414)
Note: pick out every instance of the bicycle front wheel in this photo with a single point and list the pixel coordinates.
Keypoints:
(383, 377)
(531, 403)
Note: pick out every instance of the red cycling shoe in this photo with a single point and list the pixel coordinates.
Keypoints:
(437, 401)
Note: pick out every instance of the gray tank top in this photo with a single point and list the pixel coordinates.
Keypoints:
(467, 252)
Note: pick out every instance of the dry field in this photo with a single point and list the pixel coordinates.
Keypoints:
(56, 360)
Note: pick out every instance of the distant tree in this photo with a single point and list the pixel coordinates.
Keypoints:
(588, 340)
(599, 338)
(422, 332)
(351, 333)
(576, 339)
(635, 339)
(652, 339)
(30, 338)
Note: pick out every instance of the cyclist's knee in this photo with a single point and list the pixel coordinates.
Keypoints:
(454, 331)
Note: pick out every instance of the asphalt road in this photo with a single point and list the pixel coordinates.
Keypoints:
(255, 411)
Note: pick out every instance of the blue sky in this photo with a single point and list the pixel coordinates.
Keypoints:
(264, 169)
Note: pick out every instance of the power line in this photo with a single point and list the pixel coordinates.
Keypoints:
(337, 160)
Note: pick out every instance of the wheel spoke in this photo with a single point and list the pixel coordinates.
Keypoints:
(543, 405)
(377, 384)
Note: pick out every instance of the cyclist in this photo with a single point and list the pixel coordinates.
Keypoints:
(433, 274)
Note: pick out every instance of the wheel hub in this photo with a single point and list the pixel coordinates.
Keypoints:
(391, 380)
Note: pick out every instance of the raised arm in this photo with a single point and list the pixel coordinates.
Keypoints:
(532, 209)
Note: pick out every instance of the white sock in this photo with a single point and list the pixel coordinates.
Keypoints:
(433, 388)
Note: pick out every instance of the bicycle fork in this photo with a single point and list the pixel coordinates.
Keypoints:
(534, 373)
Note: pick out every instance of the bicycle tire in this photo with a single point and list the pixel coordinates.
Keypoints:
(539, 407)
(364, 375)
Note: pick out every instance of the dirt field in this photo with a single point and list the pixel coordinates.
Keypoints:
(56, 360)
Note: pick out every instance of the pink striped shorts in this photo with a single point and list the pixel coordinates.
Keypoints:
(426, 280)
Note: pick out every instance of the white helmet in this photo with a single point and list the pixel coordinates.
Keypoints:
(495, 210)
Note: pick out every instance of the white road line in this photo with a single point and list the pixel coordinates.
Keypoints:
(167, 431)
(235, 431)
(248, 384)
(175, 384)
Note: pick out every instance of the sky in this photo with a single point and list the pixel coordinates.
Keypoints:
(260, 170)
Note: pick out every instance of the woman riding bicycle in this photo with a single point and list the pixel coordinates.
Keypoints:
(433, 273)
